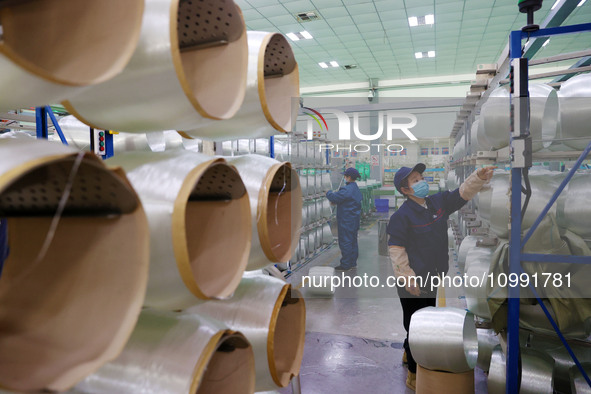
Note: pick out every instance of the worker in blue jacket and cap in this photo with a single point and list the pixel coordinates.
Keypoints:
(348, 202)
(418, 240)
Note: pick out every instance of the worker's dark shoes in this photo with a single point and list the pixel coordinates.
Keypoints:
(341, 268)
(404, 359)
(411, 381)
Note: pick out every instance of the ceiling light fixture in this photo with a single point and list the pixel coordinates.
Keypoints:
(581, 3)
(419, 55)
(323, 65)
(303, 35)
(428, 19)
(306, 35)
(431, 53)
(555, 4)
(545, 43)
(334, 64)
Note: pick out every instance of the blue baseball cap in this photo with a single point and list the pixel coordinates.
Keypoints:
(404, 172)
(351, 172)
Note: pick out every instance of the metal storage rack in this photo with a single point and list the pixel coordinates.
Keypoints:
(466, 165)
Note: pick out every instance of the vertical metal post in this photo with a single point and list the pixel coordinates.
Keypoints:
(109, 152)
(41, 122)
(296, 385)
(513, 350)
(272, 147)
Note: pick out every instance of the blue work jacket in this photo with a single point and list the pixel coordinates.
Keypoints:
(423, 232)
(348, 200)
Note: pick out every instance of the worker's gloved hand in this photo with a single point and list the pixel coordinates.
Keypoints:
(486, 173)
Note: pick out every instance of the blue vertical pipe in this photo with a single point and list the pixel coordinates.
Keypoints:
(512, 366)
(109, 151)
(272, 147)
(58, 129)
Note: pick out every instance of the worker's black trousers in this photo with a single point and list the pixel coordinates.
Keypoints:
(411, 304)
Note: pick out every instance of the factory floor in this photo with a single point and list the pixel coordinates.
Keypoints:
(354, 338)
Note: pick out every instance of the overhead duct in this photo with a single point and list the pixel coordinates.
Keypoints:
(175, 353)
(275, 205)
(575, 118)
(45, 57)
(443, 339)
(75, 278)
(199, 218)
(271, 94)
(271, 314)
(495, 117)
(189, 68)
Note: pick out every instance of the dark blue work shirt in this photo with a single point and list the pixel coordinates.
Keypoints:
(348, 200)
(423, 232)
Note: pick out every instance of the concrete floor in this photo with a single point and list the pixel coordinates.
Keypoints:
(354, 338)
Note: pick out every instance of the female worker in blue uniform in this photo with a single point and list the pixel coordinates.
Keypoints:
(418, 239)
(348, 201)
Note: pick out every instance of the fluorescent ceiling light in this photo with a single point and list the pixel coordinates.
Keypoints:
(293, 36)
(581, 3)
(306, 35)
(429, 19)
(323, 65)
(555, 4)
(419, 55)
(545, 42)
(334, 64)
(431, 53)
(413, 21)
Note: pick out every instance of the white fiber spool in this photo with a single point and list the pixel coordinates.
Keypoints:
(159, 141)
(36, 74)
(562, 360)
(443, 339)
(487, 340)
(574, 211)
(74, 281)
(174, 353)
(320, 281)
(467, 244)
(478, 142)
(276, 205)
(326, 211)
(451, 241)
(188, 69)
(282, 149)
(311, 242)
(305, 220)
(303, 247)
(272, 89)
(459, 149)
(578, 383)
(536, 372)
(200, 230)
(312, 184)
(318, 239)
(326, 182)
(272, 316)
(478, 262)
(575, 118)
(495, 120)
(327, 236)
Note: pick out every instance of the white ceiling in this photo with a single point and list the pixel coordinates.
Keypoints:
(375, 35)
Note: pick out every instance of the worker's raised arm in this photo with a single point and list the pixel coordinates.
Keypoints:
(475, 182)
(338, 197)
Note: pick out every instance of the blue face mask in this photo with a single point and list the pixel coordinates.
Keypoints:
(421, 189)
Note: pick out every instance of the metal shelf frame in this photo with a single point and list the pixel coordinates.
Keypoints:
(516, 243)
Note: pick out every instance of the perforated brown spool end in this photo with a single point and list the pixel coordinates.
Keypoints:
(211, 55)
(226, 366)
(76, 303)
(287, 330)
(279, 82)
(216, 217)
(279, 216)
(94, 39)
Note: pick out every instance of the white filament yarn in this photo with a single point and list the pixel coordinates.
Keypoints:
(444, 339)
(254, 310)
